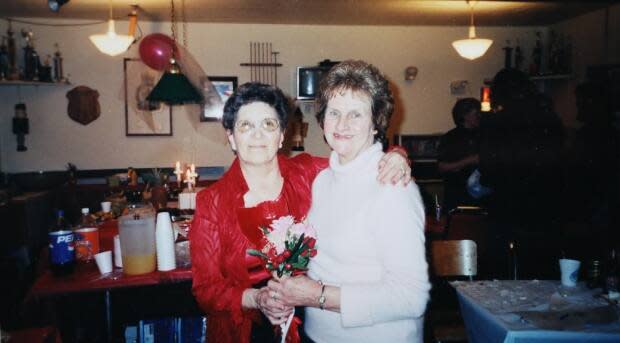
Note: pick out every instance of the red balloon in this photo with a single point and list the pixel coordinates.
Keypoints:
(156, 50)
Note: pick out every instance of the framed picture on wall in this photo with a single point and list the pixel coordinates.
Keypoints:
(216, 92)
(143, 117)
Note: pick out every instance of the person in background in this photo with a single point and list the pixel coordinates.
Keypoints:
(458, 153)
(592, 175)
(261, 185)
(521, 161)
(369, 279)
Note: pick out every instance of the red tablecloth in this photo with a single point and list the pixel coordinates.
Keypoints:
(86, 278)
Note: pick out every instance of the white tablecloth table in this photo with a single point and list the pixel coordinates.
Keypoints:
(535, 311)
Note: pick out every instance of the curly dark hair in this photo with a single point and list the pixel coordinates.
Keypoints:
(255, 92)
(462, 107)
(359, 76)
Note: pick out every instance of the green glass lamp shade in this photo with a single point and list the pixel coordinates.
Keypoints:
(175, 89)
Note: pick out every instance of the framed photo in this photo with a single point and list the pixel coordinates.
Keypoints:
(143, 117)
(216, 92)
(420, 147)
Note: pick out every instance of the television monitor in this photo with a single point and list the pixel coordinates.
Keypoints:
(308, 81)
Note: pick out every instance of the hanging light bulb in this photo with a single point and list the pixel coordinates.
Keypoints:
(472, 47)
(111, 43)
(174, 88)
(55, 5)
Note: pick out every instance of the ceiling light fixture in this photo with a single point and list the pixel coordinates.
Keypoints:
(111, 43)
(472, 47)
(55, 5)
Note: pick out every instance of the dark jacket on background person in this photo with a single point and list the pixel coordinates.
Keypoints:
(520, 159)
(457, 144)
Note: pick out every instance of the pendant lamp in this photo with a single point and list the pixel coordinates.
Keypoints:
(174, 88)
(472, 47)
(55, 5)
(111, 43)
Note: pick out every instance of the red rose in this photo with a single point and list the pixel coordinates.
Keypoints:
(311, 243)
(312, 253)
(286, 253)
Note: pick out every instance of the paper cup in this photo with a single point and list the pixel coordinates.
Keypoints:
(570, 272)
(106, 206)
(104, 261)
(118, 257)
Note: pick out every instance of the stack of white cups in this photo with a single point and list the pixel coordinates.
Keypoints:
(118, 260)
(164, 242)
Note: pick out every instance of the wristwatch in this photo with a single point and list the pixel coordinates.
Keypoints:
(322, 296)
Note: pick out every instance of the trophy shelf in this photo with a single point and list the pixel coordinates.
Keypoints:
(32, 83)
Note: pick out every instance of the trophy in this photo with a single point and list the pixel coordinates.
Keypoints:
(13, 73)
(58, 73)
(4, 60)
(31, 58)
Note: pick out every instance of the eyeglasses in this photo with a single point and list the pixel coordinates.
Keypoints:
(267, 125)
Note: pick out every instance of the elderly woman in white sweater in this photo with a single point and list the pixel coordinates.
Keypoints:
(369, 280)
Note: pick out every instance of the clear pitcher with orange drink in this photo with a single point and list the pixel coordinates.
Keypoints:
(137, 236)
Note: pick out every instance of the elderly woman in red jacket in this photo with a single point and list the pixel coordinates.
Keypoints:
(261, 185)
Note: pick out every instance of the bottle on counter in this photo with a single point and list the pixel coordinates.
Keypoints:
(594, 274)
(612, 276)
(61, 245)
(437, 209)
(86, 220)
(86, 238)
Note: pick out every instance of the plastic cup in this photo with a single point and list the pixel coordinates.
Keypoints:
(118, 257)
(570, 272)
(104, 261)
(106, 206)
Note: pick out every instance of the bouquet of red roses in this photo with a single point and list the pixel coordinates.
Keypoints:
(287, 249)
(287, 246)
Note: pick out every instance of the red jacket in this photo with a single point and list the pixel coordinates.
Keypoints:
(218, 247)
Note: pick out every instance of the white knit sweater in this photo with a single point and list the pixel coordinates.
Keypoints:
(371, 244)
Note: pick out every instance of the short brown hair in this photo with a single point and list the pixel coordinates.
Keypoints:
(359, 76)
(462, 108)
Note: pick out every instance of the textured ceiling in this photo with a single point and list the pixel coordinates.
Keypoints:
(322, 12)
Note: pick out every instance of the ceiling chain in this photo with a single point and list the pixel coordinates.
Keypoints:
(173, 24)
(184, 21)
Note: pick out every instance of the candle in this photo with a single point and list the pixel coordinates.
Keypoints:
(179, 173)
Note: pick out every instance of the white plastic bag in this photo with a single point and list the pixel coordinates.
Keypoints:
(474, 188)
